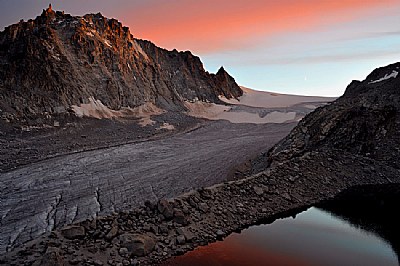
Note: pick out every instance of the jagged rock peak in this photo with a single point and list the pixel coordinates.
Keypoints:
(49, 9)
(48, 12)
(57, 61)
(221, 70)
(224, 80)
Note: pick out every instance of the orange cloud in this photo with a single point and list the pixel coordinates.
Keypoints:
(211, 25)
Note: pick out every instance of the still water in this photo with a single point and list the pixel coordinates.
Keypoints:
(314, 237)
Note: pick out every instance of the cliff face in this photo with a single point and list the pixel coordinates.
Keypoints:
(363, 122)
(56, 60)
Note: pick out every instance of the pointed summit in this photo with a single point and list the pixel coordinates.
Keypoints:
(224, 80)
(221, 70)
(48, 12)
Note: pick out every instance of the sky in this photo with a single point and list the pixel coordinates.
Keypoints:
(306, 47)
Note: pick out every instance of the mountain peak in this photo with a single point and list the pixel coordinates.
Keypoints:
(225, 80)
(57, 61)
(221, 70)
(48, 11)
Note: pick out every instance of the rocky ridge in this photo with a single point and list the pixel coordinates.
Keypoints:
(56, 61)
(335, 148)
(365, 122)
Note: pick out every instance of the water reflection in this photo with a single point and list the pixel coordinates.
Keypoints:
(348, 234)
(372, 208)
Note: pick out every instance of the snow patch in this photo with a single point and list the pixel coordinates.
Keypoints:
(387, 76)
(56, 57)
(310, 106)
(139, 49)
(96, 109)
(214, 111)
(166, 126)
(265, 99)
(107, 42)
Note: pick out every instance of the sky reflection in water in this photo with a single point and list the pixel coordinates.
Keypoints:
(314, 237)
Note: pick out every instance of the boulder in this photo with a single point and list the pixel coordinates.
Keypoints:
(136, 244)
(112, 233)
(165, 208)
(189, 236)
(73, 232)
(259, 191)
(220, 234)
(52, 257)
(179, 217)
(203, 207)
(180, 239)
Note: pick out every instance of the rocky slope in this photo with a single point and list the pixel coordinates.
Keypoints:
(363, 122)
(57, 61)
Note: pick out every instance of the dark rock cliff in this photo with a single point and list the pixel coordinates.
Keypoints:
(363, 122)
(58, 60)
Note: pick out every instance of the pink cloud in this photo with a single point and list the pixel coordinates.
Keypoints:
(214, 25)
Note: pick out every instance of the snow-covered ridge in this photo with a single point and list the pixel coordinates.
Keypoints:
(387, 76)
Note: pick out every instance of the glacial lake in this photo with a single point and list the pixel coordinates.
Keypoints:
(313, 237)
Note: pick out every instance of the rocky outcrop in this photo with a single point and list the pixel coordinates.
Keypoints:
(363, 122)
(57, 60)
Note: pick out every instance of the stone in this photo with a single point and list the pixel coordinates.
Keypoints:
(220, 234)
(73, 232)
(180, 239)
(287, 196)
(150, 204)
(52, 257)
(98, 263)
(203, 207)
(259, 191)
(179, 217)
(75, 261)
(165, 208)
(137, 245)
(123, 252)
(293, 178)
(189, 236)
(112, 233)
(89, 224)
(179, 251)
(163, 229)
(154, 229)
